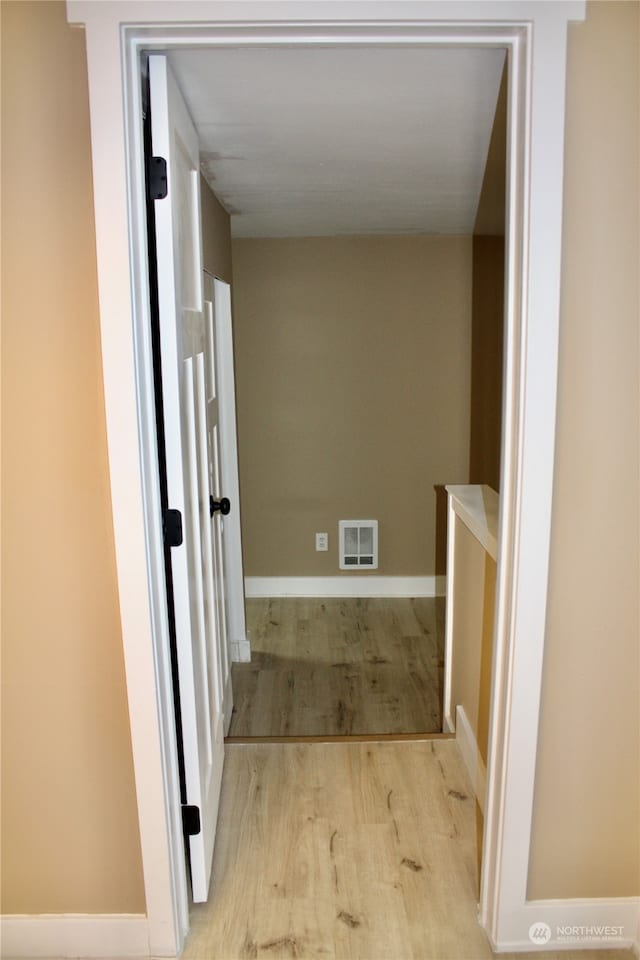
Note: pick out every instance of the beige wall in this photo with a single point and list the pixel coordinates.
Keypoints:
(485, 438)
(585, 838)
(352, 365)
(485, 434)
(216, 234)
(69, 823)
(490, 215)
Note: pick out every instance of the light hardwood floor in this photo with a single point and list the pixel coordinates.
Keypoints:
(345, 850)
(336, 666)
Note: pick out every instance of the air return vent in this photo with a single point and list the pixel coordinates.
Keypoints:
(358, 544)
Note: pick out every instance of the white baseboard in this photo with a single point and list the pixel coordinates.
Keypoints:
(74, 935)
(466, 740)
(597, 924)
(347, 585)
(240, 650)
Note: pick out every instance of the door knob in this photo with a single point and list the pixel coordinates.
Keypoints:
(223, 505)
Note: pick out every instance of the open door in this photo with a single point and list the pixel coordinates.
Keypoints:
(190, 414)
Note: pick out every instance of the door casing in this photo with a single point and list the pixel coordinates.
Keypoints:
(117, 32)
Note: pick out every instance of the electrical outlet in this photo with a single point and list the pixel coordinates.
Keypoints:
(322, 541)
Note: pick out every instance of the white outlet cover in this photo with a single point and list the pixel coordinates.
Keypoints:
(322, 541)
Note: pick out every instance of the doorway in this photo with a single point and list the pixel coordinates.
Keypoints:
(536, 120)
(352, 315)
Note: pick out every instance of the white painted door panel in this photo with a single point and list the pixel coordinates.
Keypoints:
(216, 486)
(188, 422)
(211, 439)
(220, 332)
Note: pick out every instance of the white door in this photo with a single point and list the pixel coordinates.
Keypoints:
(190, 423)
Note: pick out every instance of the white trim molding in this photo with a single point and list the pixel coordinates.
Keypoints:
(241, 650)
(74, 935)
(448, 723)
(468, 744)
(592, 924)
(345, 586)
(534, 35)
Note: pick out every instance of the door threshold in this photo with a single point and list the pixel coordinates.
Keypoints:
(344, 738)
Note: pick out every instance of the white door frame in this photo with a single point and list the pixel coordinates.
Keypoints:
(116, 32)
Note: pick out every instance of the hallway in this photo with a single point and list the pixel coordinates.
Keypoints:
(351, 850)
(340, 667)
(326, 852)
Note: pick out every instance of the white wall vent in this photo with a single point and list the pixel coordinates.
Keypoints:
(358, 544)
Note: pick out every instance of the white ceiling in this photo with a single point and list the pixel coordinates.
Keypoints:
(332, 141)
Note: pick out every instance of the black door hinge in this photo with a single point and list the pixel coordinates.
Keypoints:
(190, 820)
(172, 528)
(158, 186)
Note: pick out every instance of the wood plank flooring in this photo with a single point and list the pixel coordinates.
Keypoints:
(345, 850)
(340, 666)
